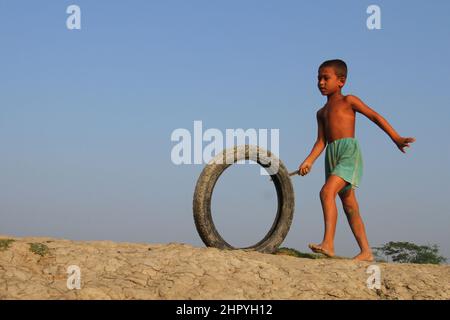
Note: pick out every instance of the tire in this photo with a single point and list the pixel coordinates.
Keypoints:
(205, 186)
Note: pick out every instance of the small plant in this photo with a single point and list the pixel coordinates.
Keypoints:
(298, 254)
(5, 243)
(39, 248)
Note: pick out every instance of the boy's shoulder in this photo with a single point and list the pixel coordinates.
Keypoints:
(351, 99)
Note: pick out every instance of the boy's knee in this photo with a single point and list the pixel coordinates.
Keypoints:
(351, 210)
(350, 205)
(326, 193)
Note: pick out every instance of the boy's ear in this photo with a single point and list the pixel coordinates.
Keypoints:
(342, 80)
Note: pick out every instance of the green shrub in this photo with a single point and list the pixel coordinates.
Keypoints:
(39, 248)
(5, 243)
(407, 252)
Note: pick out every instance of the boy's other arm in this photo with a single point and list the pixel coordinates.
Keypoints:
(319, 145)
(376, 118)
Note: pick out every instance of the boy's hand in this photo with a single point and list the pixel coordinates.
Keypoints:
(404, 143)
(305, 168)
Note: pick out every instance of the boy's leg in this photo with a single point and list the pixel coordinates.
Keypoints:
(328, 199)
(351, 209)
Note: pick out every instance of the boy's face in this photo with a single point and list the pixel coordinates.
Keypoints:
(328, 82)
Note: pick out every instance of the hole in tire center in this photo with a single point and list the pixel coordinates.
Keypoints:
(244, 204)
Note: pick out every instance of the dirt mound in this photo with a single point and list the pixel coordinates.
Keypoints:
(37, 268)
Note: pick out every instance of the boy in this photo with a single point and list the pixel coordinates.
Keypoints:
(343, 160)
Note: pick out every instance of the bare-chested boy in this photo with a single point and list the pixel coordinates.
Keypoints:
(343, 159)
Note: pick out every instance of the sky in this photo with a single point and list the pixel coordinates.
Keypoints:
(86, 116)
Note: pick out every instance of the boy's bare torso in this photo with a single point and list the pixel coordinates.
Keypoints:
(337, 119)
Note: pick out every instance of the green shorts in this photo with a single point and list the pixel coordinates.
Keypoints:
(343, 158)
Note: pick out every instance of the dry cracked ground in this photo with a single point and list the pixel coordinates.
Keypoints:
(37, 268)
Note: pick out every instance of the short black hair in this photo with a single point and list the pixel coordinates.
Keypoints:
(339, 66)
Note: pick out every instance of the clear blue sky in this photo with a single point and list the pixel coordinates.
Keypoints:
(86, 116)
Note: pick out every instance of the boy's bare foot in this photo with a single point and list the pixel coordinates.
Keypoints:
(364, 256)
(320, 248)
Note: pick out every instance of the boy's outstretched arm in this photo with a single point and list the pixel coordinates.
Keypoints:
(361, 107)
(306, 166)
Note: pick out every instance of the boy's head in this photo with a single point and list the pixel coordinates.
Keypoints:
(332, 76)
